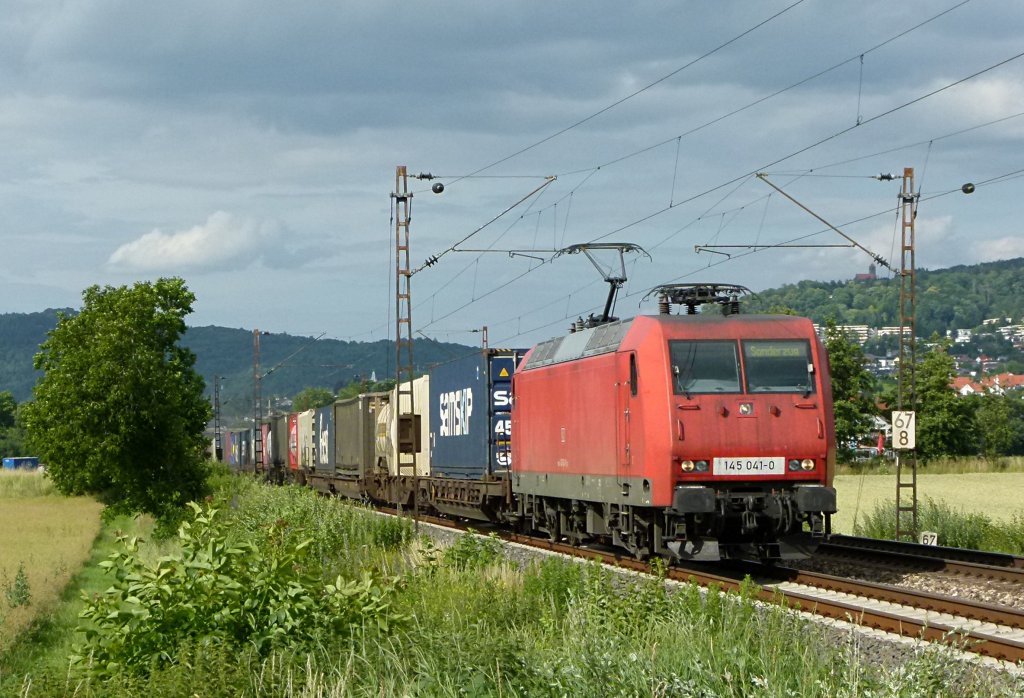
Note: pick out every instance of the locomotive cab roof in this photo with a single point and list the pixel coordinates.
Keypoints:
(609, 337)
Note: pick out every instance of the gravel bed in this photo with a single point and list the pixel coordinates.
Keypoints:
(992, 591)
(880, 651)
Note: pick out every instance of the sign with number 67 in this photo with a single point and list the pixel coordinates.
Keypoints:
(904, 430)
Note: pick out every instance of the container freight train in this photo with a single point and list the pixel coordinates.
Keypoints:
(698, 436)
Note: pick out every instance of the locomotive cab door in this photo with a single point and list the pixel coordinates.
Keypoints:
(626, 389)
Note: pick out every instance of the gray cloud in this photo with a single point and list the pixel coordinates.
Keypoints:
(118, 118)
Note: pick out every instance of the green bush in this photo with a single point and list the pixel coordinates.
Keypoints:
(17, 592)
(471, 551)
(261, 594)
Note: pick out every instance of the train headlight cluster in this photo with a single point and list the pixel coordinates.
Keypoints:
(689, 466)
(805, 464)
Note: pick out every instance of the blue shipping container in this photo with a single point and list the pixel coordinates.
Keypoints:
(21, 462)
(470, 415)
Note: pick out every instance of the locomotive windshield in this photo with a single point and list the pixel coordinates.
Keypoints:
(704, 367)
(778, 366)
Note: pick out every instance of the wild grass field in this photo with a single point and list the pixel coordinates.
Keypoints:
(273, 591)
(45, 540)
(278, 591)
(1000, 496)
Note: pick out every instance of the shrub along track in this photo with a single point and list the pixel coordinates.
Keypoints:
(975, 627)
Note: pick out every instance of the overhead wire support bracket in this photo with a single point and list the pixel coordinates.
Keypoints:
(877, 258)
(433, 259)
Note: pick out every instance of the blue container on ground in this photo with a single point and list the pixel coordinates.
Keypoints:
(471, 415)
(21, 463)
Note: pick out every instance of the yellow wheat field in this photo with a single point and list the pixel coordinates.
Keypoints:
(49, 535)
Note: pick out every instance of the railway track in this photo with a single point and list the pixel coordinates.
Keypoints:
(926, 558)
(985, 629)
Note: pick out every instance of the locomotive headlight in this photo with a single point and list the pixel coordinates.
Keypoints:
(702, 466)
(794, 465)
(687, 466)
(807, 464)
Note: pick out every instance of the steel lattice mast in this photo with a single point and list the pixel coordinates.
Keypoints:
(906, 463)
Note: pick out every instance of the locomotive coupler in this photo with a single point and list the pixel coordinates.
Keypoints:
(749, 519)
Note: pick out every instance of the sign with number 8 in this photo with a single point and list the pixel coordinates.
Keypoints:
(904, 430)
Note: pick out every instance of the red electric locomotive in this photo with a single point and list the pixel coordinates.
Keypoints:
(699, 436)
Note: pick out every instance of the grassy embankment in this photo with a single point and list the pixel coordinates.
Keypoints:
(417, 620)
(46, 538)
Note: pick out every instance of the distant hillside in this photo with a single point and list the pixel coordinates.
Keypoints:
(959, 297)
(20, 336)
(293, 362)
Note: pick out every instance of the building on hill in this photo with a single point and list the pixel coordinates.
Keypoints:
(960, 336)
(892, 331)
(860, 333)
(870, 276)
(998, 384)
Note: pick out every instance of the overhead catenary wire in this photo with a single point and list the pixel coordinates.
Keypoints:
(795, 174)
(643, 89)
(433, 259)
(754, 250)
(765, 98)
(592, 171)
(826, 139)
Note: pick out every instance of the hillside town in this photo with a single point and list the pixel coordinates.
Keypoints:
(989, 359)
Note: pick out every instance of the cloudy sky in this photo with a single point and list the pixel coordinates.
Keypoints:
(251, 147)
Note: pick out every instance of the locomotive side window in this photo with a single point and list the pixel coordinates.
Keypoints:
(778, 366)
(704, 367)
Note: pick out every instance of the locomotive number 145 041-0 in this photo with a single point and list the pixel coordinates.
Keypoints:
(773, 465)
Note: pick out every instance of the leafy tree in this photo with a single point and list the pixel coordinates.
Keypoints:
(945, 422)
(119, 411)
(311, 398)
(999, 427)
(359, 387)
(12, 438)
(852, 386)
(8, 409)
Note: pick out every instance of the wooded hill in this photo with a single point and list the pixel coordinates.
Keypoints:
(289, 363)
(959, 297)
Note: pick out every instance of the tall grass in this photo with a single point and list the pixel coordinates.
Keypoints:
(947, 465)
(558, 628)
(955, 528)
(477, 625)
(19, 484)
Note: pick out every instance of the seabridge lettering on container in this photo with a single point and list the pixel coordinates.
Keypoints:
(456, 407)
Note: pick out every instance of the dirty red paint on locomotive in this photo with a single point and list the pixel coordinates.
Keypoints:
(617, 415)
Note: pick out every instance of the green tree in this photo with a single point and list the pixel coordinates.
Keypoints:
(8, 409)
(119, 411)
(366, 386)
(311, 398)
(945, 421)
(998, 426)
(12, 438)
(852, 386)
